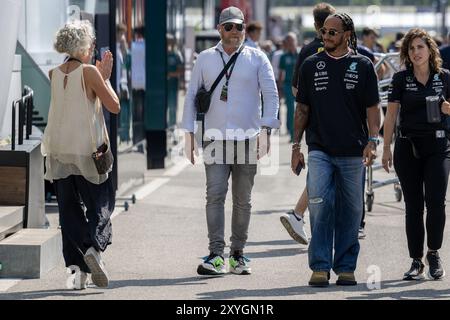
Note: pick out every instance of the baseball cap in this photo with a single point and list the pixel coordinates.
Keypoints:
(231, 14)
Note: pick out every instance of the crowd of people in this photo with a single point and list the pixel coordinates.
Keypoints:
(425, 182)
(330, 89)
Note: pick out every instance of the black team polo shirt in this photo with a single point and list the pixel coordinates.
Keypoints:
(310, 49)
(411, 94)
(338, 91)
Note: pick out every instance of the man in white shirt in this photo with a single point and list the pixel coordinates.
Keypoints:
(234, 124)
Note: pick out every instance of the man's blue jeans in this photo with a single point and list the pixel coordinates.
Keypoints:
(335, 206)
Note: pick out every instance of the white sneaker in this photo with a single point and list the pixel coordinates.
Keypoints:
(239, 265)
(295, 227)
(78, 280)
(213, 265)
(95, 263)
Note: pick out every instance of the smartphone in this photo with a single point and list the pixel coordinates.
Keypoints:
(101, 53)
(299, 169)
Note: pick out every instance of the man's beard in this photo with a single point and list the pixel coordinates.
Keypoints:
(334, 47)
(233, 43)
(331, 50)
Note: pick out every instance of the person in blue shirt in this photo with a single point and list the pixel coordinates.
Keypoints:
(175, 70)
(253, 33)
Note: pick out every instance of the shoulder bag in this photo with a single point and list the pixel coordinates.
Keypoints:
(203, 96)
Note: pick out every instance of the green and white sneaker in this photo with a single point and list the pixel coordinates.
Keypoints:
(214, 265)
(239, 265)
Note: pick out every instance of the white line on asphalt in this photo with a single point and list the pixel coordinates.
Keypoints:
(176, 170)
(145, 191)
(6, 284)
(148, 189)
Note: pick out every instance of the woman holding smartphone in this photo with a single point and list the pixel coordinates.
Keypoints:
(76, 128)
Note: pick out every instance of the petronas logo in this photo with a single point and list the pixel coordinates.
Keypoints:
(353, 66)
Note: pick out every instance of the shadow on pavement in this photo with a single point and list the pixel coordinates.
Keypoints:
(391, 205)
(422, 294)
(277, 292)
(269, 212)
(272, 243)
(277, 253)
(159, 282)
(361, 291)
(61, 294)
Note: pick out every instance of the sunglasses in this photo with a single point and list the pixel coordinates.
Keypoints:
(331, 32)
(229, 26)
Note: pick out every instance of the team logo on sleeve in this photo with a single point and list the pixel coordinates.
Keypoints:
(353, 67)
(438, 85)
(351, 77)
(321, 65)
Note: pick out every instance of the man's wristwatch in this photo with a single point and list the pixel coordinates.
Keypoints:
(268, 130)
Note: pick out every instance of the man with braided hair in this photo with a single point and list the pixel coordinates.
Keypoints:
(294, 220)
(338, 107)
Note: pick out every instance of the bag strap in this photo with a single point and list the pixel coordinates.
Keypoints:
(105, 132)
(225, 69)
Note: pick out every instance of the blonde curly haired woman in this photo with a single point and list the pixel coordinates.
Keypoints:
(76, 128)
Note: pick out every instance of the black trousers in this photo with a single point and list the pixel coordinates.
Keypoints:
(423, 174)
(82, 230)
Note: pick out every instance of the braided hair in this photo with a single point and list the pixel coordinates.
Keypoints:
(348, 26)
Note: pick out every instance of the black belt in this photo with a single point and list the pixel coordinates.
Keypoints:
(438, 134)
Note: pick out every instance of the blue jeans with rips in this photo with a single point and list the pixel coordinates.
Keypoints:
(336, 207)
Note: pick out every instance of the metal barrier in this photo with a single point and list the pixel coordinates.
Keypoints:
(124, 202)
(26, 106)
(390, 60)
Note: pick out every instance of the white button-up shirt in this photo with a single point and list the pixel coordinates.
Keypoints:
(242, 116)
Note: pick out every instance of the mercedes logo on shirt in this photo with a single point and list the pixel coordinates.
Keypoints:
(321, 65)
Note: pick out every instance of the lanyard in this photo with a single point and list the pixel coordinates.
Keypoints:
(228, 74)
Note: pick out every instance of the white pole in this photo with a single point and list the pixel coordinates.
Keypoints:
(260, 14)
(210, 14)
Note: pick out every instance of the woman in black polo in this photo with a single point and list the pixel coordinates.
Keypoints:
(422, 149)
